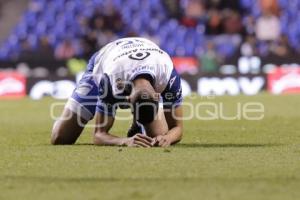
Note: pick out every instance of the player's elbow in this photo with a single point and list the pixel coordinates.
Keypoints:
(98, 139)
(179, 135)
(179, 138)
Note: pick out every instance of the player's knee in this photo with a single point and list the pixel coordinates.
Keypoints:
(55, 136)
(58, 136)
(58, 139)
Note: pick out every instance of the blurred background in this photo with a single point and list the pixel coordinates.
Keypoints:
(222, 47)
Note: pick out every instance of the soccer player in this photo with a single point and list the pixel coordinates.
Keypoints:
(127, 73)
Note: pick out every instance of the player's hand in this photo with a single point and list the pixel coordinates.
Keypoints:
(139, 140)
(162, 141)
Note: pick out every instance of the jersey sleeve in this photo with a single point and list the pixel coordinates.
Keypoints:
(172, 95)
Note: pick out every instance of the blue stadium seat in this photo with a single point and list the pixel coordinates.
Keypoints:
(59, 20)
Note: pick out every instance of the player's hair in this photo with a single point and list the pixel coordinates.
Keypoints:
(145, 102)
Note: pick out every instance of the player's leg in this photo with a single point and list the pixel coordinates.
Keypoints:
(68, 128)
(79, 109)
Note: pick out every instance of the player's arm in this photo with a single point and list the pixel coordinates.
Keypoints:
(174, 121)
(102, 136)
(172, 98)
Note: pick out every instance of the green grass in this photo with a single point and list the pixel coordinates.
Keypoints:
(216, 159)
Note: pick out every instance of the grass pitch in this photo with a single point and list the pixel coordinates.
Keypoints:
(217, 159)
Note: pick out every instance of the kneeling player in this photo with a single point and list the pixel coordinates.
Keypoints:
(127, 73)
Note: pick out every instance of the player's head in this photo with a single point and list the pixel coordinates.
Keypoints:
(144, 99)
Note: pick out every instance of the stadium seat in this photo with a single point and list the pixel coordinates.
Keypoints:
(59, 20)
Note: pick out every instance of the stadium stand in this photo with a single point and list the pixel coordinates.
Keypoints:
(66, 28)
(9, 15)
